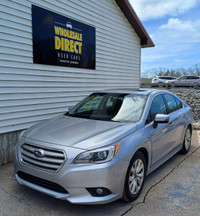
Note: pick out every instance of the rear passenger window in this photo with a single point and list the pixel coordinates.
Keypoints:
(179, 104)
(171, 103)
(157, 107)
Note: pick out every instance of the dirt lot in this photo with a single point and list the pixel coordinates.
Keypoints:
(173, 189)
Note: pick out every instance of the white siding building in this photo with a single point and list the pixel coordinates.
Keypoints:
(31, 92)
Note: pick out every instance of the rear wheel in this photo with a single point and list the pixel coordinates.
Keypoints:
(135, 177)
(186, 142)
(160, 84)
(196, 85)
(172, 85)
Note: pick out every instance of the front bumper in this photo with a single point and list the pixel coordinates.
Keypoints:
(76, 179)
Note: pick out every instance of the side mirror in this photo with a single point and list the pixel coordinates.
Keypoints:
(160, 118)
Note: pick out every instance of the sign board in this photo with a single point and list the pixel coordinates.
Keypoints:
(59, 40)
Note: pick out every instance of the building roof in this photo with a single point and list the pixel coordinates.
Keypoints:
(133, 19)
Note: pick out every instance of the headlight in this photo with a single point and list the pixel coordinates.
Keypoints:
(100, 155)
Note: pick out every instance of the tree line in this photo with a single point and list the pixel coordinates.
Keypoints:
(194, 70)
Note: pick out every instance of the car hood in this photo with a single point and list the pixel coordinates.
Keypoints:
(78, 132)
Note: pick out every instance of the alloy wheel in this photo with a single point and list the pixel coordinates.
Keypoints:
(136, 176)
(187, 139)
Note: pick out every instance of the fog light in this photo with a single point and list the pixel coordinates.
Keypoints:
(99, 191)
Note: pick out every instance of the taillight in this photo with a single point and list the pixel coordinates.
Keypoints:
(155, 79)
(191, 109)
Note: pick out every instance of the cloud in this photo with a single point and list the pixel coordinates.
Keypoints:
(153, 9)
(180, 60)
(177, 44)
(182, 30)
(177, 24)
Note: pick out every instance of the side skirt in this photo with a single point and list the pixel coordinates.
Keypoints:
(163, 160)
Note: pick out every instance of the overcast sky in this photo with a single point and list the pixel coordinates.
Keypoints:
(174, 26)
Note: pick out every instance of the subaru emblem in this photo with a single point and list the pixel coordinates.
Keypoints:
(39, 153)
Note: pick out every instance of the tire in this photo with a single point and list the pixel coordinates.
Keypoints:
(134, 181)
(187, 142)
(172, 85)
(160, 84)
(196, 85)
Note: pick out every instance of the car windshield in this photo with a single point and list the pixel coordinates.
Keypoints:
(110, 107)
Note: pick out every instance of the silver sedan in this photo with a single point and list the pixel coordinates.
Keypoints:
(103, 148)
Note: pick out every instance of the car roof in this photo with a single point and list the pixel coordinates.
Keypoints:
(166, 76)
(140, 91)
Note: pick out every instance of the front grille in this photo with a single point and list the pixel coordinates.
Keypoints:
(41, 182)
(50, 160)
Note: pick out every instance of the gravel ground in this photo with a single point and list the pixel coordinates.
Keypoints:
(191, 97)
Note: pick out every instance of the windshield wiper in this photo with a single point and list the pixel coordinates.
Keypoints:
(76, 115)
(89, 117)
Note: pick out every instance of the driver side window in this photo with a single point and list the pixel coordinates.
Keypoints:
(157, 107)
(183, 78)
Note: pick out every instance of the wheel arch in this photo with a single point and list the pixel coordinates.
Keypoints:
(144, 151)
(190, 126)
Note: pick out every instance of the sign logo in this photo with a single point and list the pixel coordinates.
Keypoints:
(39, 153)
(68, 25)
(59, 40)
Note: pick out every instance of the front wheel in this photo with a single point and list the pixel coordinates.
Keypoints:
(186, 142)
(135, 177)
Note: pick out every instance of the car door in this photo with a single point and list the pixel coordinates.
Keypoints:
(190, 80)
(160, 136)
(183, 80)
(194, 80)
(177, 120)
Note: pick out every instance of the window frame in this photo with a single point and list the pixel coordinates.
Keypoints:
(175, 101)
(149, 113)
(166, 105)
